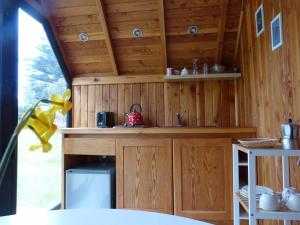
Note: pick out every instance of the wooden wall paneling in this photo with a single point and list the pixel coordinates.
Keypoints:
(187, 103)
(200, 103)
(232, 103)
(128, 97)
(136, 94)
(76, 96)
(145, 102)
(98, 99)
(160, 103)
(83, 106)
(113, 100)
(91, 106)
(224, 107)
(208, 90)
(172, 102)
(221, 29)
(269, 87)
(153, 102)
(121, 103)
(106, 33)
(105, 97)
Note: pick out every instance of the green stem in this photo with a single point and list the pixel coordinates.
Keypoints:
(9, 150)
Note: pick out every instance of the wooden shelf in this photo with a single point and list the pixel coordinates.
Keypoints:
(210, 76)
(110, 79)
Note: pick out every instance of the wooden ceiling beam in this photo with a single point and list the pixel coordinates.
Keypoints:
(161, 13)
(221, 29)
(241, 20)
(106, 33)
(38, 7)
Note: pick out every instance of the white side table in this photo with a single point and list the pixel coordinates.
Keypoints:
(252, 212)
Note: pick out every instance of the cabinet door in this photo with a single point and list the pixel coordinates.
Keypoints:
(203, 179)
(144, 174)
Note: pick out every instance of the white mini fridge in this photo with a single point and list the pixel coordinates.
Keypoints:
(90, 187)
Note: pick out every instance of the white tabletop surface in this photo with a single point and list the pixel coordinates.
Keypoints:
(96, 217)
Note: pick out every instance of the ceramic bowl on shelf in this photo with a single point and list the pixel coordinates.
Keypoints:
(258, 142)
(217, 68)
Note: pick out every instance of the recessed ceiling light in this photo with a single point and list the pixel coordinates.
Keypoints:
(137, 32)
(83, 37)
(192, 30)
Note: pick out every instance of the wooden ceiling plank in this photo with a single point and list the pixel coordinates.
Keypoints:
(44, 6)
(221, 31)
(107, 36)
(161, 13)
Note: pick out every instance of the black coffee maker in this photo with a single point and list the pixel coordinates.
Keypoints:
(105, 119)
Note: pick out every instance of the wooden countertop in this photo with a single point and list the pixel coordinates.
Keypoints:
(161, 130)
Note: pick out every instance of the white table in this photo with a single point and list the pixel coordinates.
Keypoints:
(96, 217)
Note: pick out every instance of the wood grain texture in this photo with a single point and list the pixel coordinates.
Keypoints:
(200, 103)
(103, 20)
(203, 179)
(145, 171)
(90, 146)
(268, 92)
(162, 22)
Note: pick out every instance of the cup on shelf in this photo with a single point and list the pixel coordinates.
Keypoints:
(293, 202)
(205, 68)
(270, 201)
(169, 71)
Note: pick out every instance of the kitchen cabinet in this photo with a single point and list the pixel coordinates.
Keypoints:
(144, 174)
(202, 178)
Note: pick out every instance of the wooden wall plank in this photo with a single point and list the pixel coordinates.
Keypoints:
(153, 103)
(91, 106)
(161, 101)
(145, 102)
(121, 103)
(83, 106)
(113, 100)
(267, 92)
(200, 103)
(98, 100)
(105, 97)
(76, 106)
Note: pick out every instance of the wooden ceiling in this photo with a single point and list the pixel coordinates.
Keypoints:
(112, 49)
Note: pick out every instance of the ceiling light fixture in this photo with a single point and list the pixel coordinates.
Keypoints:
(83, 37)
(192, 30)
(137, 32)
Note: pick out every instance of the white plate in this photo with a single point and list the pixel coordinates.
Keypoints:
(259, 191)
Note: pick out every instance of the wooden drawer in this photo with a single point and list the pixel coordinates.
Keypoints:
(90, 146)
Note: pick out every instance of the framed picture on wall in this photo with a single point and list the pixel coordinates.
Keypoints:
(259, 20)
(276, 32)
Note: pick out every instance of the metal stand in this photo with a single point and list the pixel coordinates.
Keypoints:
(250, 204)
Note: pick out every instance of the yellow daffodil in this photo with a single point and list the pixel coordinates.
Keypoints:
(62, 102)
(41, 123)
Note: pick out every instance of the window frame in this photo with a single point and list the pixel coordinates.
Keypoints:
(9, 10)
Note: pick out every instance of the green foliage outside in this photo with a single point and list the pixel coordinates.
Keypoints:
(39, 174)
